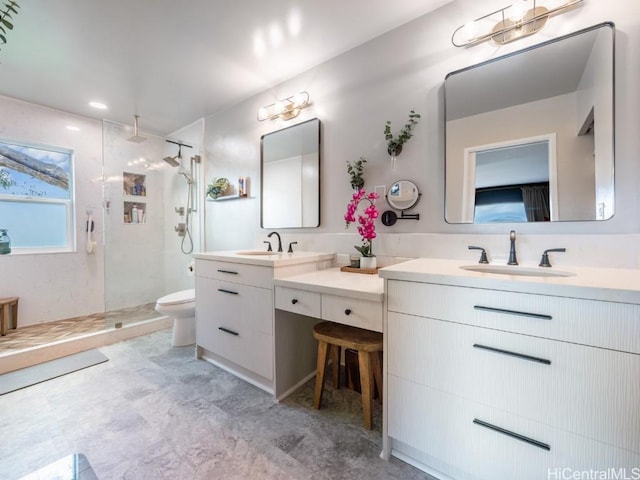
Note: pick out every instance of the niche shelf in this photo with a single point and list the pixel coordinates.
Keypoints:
(142, 211)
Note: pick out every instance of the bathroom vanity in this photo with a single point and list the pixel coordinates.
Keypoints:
(511, 376)
(235, 318)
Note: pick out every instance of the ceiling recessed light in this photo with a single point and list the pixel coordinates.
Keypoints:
(73, 128)
(98, 105)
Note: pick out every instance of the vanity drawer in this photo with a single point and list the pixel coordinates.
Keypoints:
(255, 275)
(302, 302)
(350, 311)
(589, 322)
(441, 431)
(585, 390)
(244, 346)
(234, 324)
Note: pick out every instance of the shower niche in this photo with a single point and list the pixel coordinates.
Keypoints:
(134, 185)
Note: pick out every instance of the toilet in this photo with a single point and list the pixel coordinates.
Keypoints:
(181, 306)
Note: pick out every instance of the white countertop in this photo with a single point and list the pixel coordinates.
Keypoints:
(267, 259)
(333, 281)
(609, 284)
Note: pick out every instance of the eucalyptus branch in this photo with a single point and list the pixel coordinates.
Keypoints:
(355, 171)
(6, 18)
(395, 144)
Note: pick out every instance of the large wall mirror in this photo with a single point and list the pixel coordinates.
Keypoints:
(529, 136)
(290, 177)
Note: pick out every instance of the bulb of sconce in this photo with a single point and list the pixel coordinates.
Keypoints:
(469, 31)
(519, 9)
(300, 99)
(263, 114)
(278, 108)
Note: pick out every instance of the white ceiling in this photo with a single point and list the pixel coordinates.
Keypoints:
(173, 62)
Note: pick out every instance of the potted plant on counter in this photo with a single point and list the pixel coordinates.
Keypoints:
(366, 225)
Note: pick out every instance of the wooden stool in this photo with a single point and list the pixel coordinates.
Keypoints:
(6, 304)
(333, 336)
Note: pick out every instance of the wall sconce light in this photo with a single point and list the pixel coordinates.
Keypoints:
(286, 109)
(519, 20)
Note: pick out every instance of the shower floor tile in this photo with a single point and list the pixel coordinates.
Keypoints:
(50, 332)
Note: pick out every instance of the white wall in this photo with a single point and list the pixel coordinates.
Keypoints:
(62, 285)
(355, 93)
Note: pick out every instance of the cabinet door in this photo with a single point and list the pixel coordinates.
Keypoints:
(236, 322)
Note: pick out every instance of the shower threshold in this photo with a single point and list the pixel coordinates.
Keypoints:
(40, 343)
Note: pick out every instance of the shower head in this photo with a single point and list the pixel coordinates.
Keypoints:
(172, 161)
(136, 138)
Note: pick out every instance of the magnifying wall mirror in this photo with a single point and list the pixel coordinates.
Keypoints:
(290, 177)
(402, 195)
(529, 136)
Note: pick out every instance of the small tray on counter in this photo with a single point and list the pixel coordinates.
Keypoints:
(369, 271)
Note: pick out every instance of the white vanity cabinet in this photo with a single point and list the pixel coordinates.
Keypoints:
(235, 309)
(486, 383)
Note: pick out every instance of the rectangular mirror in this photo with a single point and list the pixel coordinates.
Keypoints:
(290, 177)
(530, 137)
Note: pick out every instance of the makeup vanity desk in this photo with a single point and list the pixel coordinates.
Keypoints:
(303, 300)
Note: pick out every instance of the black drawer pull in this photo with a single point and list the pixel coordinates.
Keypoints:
(512, 312)
(347, 311)
(511, 434)
(228, 271)
(227, 291)
(294, 301)
(226, 330)
(513, 354)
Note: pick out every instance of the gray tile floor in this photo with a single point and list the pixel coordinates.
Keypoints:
(156, 412)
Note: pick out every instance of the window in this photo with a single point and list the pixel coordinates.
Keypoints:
(36, 197)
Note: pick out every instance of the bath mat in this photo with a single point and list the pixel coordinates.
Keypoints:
(25, 377)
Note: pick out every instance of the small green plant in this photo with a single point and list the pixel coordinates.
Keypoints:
(217, 187)
(6, 19)
(395, 143)
(355, 171)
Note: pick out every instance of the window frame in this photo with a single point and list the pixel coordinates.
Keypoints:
(68, 203)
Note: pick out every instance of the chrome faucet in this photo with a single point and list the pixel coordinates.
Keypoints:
(512, 251)
(279, 240)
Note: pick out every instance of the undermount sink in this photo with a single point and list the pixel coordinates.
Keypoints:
(518, 271)
(257, 252)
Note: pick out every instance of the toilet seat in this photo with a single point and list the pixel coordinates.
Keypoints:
(178, 298)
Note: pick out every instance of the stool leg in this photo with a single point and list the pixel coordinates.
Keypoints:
(320, 370)
(4, 319)
(366, 384)
(335, 365)
(15, 315)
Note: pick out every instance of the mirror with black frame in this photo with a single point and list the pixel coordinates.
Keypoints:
(530, 135)
(290, 177)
